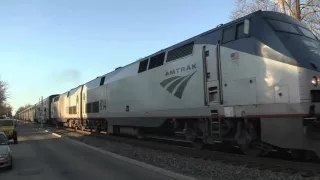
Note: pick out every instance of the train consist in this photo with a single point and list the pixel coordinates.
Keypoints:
(253, 82)
(40, 112)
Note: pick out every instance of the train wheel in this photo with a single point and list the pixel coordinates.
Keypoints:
(298, 154)
(70, 124)
(116, 130)
(253, 148)
(97, 130)
(198, 144)
(311, 156)
(248, 139)
(139, 134)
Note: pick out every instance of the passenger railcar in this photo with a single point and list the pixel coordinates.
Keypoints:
(253, 82)
(28, 114)
(43, 110)
(69, 107)
(39, 112)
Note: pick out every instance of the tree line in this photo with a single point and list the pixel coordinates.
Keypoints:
(5, 107)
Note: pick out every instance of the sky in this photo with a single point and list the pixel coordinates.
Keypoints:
(50, 46)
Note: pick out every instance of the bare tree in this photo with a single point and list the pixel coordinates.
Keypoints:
(9, 109)
(4, 108)
(3, 92)
(307, 11)
(244, 7)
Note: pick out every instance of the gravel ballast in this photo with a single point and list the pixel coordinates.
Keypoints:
(194, 167)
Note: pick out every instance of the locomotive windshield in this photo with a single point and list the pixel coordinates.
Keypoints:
(300, 41)
(290, 28)
(283, 26)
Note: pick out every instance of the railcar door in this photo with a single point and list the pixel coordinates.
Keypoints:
(62, 109)
(79, 106)
(211, 61)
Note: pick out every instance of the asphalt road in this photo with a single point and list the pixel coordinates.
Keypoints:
(40, 155)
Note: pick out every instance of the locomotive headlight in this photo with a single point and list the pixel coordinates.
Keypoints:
(314, 81)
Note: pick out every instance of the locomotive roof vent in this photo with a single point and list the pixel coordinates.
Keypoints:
(219, 25)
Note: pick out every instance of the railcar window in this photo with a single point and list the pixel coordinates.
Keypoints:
(156, 61)
(229, 34)
(88, 108)
(143, 65)
(180, 52)
(240, 31)
(307, 32)
(102, 80)
(95, 107)
(283, 26)
(74, 109)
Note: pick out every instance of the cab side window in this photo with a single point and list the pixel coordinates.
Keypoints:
(233, 33)
(229, 34)
(156, 60)
(143, 65)
(240, 31)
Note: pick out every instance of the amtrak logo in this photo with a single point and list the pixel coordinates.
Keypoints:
(181, 69)
(178, 81)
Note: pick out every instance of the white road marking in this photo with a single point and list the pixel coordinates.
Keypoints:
(135, 162)
(55, 134)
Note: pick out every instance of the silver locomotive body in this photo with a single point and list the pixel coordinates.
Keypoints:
(251, 81)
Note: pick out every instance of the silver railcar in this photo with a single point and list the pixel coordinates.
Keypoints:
(43, 110)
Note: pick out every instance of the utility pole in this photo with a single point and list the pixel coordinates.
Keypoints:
(38, 109)
(41, 111)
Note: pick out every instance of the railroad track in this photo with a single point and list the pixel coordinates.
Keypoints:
(276, 165)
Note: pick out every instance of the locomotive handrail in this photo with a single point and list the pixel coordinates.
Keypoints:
(219, 72)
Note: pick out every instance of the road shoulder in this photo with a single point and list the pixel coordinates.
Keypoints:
(159, 170)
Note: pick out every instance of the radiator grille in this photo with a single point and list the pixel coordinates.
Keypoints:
(180, 52)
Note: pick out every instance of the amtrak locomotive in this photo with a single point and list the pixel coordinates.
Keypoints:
(253, 82)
